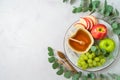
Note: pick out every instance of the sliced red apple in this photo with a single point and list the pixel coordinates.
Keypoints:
(90, 22)
(95, 21)
(85, 22)
(79, 25)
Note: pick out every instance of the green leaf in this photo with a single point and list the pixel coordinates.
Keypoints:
(50, 49)
(105, 5)
(95, 4)
(103, 9)
(77, 10)
(65, 0)
(113, 76)
(114, 25)
(109, 10)
(110, 56)
(51, 59)
(102, 76)
(84, 3)
(118, 78)
(98, 52)
(116, 31)
(76, 76)
(90, 6)
(55, 65)
(119, 25)
(85, 9)
(103, 51)
(51, 52)
(93, 48)
(68, 74)
(91, 76)
(80, 73)
(72, 1)
(84, 77)
(117, 12)
(107, 54)
(60, 71)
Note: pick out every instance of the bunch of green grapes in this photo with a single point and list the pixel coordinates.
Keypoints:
(89, 60)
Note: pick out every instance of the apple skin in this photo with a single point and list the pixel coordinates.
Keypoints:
(99, 31)
(107, 44)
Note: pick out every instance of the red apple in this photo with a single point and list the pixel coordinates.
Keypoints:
(99, 31)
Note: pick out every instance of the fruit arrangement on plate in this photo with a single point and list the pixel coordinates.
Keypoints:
(90, 41)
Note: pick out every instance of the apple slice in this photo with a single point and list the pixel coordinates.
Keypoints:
(79, 25)
(95, 21)
(85, 22)
(90, 22)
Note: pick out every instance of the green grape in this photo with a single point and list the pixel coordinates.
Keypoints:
(96, 59)
(90, 56)
(81, 59)
(94, 63)
(99, 64)
(87, 53)
(84, 67)
(83, 63)
(89, 61)
(101, 56)
(82, 55)
(103, 60)
(93, 55)
(85, 57)
(90, 65)
(78, 61)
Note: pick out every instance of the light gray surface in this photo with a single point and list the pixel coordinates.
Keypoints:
(27, 28)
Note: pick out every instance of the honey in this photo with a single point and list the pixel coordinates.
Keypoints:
(80, 41)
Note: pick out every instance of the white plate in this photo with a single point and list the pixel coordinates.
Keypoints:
(73, 57)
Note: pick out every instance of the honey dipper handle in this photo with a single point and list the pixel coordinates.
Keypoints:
(80, 42)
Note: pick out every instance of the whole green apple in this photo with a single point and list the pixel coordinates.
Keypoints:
(107, 44)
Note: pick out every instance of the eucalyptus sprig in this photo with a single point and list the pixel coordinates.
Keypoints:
(71, 1)
(107, 11)
(61, 70)
(98, 51)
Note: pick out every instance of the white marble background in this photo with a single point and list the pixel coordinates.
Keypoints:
(27, 28)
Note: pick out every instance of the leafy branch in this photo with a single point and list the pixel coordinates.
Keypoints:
(71, 1)
(108, 12)
(61, 70)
